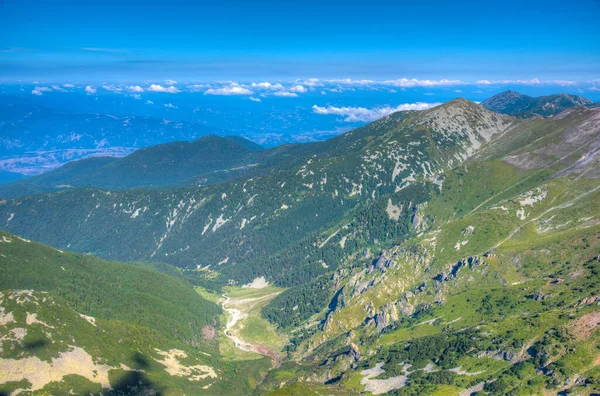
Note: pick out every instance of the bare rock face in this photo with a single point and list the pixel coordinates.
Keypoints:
(354, 353)
(382, 263)
(590, 300)
(405, 308)
(417, 221)
(508, 356)
(387, 316)
(470, 262)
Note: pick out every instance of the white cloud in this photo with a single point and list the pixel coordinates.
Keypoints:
(135, 88)
(198, 87)
(39, 90)
(112, 88)
(298, 88)
(457, 91)
(285, 94)
(254, 99)
(160, 88)
(170, 82)
(232, 89)
(266, 85)
(562, 83)
(409, 83)
(90, 90)
(311, 82)
(137, 96)
(58, 88)
(68, 85)
(149, 102)
(362, 114)
(413, 82)
(348, 81)
(170, 106)
(533, 81)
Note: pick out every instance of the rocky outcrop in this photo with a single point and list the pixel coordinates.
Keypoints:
(387, 316)
(470, 262)
(590, 300)
(508, 356)
(382, 264)
(354, 353)
(404, 306)
(539, 296)
(417, 220)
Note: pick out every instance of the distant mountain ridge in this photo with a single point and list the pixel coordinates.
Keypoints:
(34, 139)
(28, 128)
(516, 104)
(150, 167)
(307, 187)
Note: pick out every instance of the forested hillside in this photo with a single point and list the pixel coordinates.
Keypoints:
(498, 293)
(446, 251)
(124, 321)
(378, 173)
(169, 164)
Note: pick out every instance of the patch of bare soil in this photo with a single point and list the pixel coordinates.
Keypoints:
(380, 386)
(39, 373)
(209, 332)
(583, 327)
(173, 366)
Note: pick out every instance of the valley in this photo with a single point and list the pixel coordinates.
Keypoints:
(446, 251)
(246, 328)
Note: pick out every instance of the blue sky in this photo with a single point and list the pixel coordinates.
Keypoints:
(200, 41)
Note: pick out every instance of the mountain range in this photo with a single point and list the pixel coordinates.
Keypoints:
(35, 139)
(514, 103)
(453, 250)
(151, 167)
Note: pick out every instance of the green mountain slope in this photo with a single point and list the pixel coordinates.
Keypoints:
(249, 144)
(449, 251)
(89, 324)
(274, 224)
(498, 293)
(514, 103)
(151, 167)
(64, 177)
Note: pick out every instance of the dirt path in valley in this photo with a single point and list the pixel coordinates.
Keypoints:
(238, 315)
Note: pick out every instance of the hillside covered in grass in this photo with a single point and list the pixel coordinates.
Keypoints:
(448, 251)
(70, 315)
